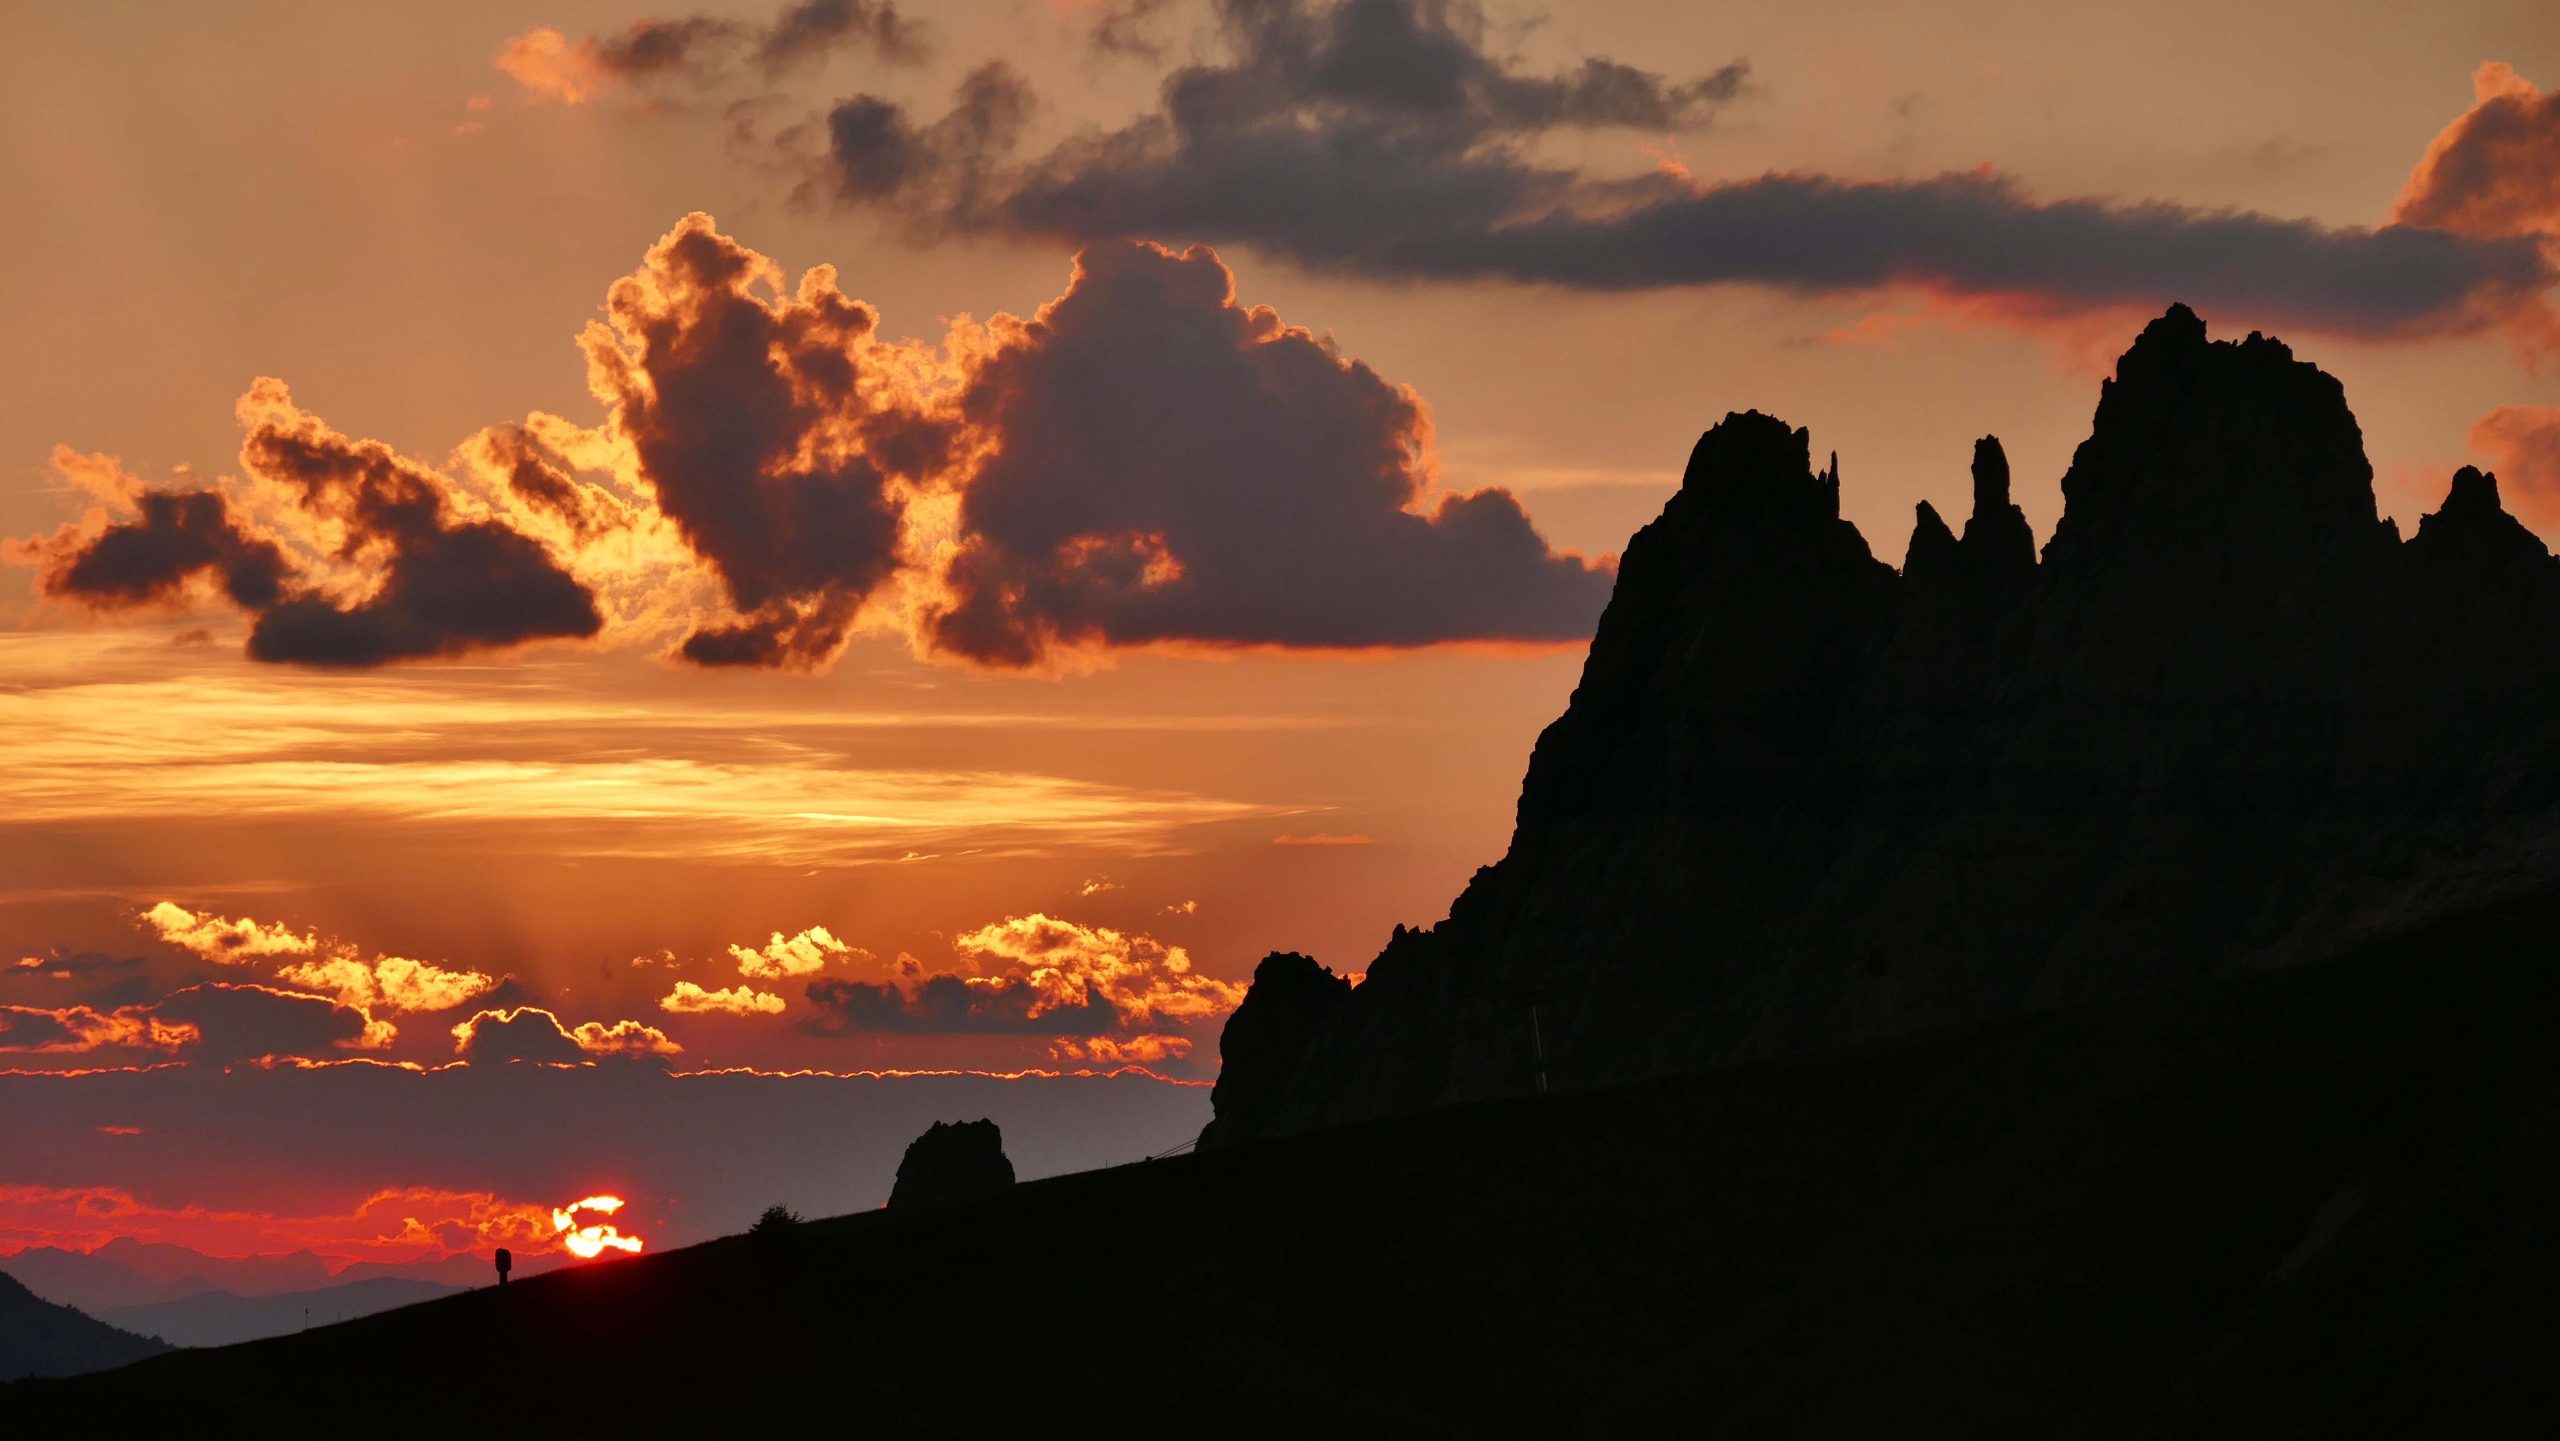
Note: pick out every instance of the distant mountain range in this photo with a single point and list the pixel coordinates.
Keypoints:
(219, 1318)
(39, 1338)
(124, 1273)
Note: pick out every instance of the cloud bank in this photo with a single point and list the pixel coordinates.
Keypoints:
(1383, 139)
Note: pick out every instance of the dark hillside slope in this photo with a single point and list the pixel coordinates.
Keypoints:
(2315, 1202)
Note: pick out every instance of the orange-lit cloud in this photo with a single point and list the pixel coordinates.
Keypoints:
(771, 475)
(777, 431)
(553, 68)
(346, 553)
(387, 983)
(2522, 444)
(1324, 838)
(217, 1023)
(535, 1035)
(1129, 1050)
(230, 941)
(702, 50)
(690, 999)
(2496, 170)
(1035, 975)
(392, 983)
(73, 1030)
(405, 1224)
(804, 954)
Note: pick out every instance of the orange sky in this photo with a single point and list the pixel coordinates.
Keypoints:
(616, 850)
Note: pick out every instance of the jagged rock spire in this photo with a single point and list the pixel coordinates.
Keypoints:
(1934, 552)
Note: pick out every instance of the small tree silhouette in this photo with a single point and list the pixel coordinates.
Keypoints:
(777, 1220)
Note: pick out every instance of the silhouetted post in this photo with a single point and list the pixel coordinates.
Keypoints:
(506, 1263)
(1538, 1043)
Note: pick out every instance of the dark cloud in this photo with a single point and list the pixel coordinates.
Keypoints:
(773, 433)
(814, 28)
(875, 154)
(172, 537)
(2496, 170)
(249, 1023)
(1165, 464)
(663, 57)
(647, 49)
(530, 1033)
(1105, 994)
(947, 1003)
(1328, 120)
(433, 582)
(1126, 27)
(521, 1033)
(1381, 138)
(446, 586)
(543, 480)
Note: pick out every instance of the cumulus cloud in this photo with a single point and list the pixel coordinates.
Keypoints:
(412, 575)
(441, 585)
(139, 547)
(530, 1033)
(774, 431)
(389, 983)
(2496, 170)
(384, 983)
(80, 1029)
(690, 999)
(230, 941)
(1380, 138)
(804, 954)
(2522, 443)
(1145, 460)
(1036, 975)
(257, 1023)
(702, 51)
(1166, 464)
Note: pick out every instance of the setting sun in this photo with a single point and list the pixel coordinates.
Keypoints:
(597, 1237)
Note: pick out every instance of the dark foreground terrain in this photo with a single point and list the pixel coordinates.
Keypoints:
(2318, 1202)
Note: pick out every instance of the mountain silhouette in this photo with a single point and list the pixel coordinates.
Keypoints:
(2230, 720)
(39, 1338)
(2104, 993)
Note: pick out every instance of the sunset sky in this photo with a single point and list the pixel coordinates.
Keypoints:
(567, 560)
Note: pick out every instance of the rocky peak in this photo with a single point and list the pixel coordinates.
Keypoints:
(2473, 528)
(1935, 555)
(1800, 800)
(2000, 547)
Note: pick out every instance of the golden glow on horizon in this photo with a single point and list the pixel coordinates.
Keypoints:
(596, 1237)
(576, 774)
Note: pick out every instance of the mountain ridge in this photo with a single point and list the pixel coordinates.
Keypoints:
(2227, 719)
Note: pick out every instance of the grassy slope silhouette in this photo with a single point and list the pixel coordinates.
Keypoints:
(2308, 1202)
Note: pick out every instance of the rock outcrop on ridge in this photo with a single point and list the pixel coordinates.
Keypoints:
(1799, 799)
(952, 1161)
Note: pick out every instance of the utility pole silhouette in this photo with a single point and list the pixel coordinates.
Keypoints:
(1538, 1044)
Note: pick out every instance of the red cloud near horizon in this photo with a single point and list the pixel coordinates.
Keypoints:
(391, 1226)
